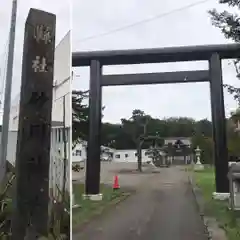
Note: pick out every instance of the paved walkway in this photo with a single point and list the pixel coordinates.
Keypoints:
(162, 209)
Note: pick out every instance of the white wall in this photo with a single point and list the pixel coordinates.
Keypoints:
(56, 157)
(129, 156)
(79, 153)
(57, 161)
(63, 81)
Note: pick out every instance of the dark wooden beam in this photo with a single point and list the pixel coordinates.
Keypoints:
(156, 55)
(155, 78)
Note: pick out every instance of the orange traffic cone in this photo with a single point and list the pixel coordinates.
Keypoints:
(116, 183)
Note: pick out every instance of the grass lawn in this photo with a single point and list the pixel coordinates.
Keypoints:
(90, 209)
(218, 209)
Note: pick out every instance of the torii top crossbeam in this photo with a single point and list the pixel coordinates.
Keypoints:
(156, 55)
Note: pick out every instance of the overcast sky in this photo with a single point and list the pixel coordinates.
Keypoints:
(59, 7)
(186, 27)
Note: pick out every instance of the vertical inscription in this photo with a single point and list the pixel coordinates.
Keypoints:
(34, 130)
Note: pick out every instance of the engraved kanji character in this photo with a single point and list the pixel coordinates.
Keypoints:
(39, 65)
(42, 33)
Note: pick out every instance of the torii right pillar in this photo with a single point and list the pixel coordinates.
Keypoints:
(219, 128)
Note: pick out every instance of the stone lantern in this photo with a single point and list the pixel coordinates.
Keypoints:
(163, 154)
(198, 165)
(234, 186)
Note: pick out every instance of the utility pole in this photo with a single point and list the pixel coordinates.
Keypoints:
(8, 90)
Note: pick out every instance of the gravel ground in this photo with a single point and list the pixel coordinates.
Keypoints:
(162, 208)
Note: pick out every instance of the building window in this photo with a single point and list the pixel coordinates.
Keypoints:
(117, 156)
(59, 135)
(146, 153)
(126, 155)
(78, 152)
(66, 135)
(56, 134)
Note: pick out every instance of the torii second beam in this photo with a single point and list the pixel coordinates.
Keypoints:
(155, 78)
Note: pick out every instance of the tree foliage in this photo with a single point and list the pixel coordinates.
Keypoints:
(229, 24)
(128, 133)
(154, 153)
(80, 112)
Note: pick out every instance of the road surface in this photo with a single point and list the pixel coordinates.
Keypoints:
(162, 209)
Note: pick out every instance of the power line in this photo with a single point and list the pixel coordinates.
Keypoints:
(143, 21)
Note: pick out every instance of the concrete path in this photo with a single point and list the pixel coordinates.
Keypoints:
(162, 209)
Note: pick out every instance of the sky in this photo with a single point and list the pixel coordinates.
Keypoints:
(61, 8)
(192, 26)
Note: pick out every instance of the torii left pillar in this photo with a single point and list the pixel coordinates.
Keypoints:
(93, 165)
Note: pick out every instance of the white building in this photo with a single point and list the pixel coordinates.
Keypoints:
(175, 140)
(61, 94)
(79, 154)
(130, 155)
(179, 159)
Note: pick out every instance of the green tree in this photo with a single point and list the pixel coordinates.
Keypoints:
(125, 135)
(80, 112)
(154, 152)
(229, 24)
(233, 140)
(136, 127)
(80, 116)
(203, 127)
(128, 134)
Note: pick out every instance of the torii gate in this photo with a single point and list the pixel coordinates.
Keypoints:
(211, 53)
